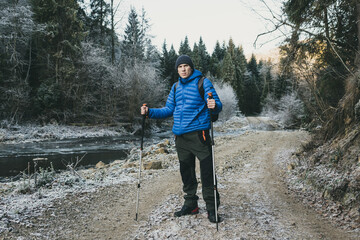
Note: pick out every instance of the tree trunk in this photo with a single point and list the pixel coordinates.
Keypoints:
(112, 33)
(327, 31)
(357, 57)
(101, 23)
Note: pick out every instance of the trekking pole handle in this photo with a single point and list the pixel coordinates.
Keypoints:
(144, 115)
(210, 95)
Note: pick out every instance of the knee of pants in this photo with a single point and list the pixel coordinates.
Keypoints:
(206, 170)
(188, 174)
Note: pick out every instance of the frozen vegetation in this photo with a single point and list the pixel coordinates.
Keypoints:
(34, 133)
(288, 111)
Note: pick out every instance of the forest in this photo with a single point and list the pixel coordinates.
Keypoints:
(63, 61)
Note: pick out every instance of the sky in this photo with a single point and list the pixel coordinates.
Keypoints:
(213, 20)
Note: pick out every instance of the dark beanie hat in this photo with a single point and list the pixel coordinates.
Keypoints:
(184, 59)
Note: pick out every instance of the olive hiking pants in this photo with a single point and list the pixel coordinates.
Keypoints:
(188, 146)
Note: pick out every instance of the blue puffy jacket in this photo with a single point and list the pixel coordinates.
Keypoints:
(189, 109)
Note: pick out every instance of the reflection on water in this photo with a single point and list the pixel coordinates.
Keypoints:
(14, 158)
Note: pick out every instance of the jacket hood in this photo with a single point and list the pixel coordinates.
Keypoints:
(194, 75)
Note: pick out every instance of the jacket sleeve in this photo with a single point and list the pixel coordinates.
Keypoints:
(208, 87)
(166, 111)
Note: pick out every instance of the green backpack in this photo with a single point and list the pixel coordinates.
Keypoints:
(214, 117)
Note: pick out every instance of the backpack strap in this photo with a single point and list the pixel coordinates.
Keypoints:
(201, 87)
(177, 83)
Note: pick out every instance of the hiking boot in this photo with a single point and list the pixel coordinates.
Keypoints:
(212, 217)
(185, 210)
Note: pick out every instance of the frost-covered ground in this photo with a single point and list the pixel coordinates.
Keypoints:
(99, 203)
(34, 133)
(22, 200)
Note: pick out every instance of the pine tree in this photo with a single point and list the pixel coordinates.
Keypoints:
(195, 57)
(228, 66)
(285, 82)
(100, 12)
(228, 72)
(167, 62)
(204, 58)
(56, 52)
(266, 79)
(233, 69)
(252, 92)
(240, 68)
(252, 66)
(185, 47)
(133, 45)
(217, 58)
(172, 59)
(219, 52)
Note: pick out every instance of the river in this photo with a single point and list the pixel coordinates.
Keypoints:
(14, 158)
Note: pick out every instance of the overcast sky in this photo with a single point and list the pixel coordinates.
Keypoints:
(211, 19)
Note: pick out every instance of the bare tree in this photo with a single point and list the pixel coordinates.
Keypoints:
(114, 10)
(142, 85)
(357, 58)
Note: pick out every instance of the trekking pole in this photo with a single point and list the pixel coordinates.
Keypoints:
(213, 163)
(140, 161)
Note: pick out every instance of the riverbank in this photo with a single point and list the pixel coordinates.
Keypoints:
(35, 133)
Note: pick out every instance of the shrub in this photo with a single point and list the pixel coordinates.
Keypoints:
(288, 111)
(228, 100)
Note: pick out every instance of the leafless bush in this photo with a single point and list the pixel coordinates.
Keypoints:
(288, 111)
(141, 84)
(228, 99)
(97, 98)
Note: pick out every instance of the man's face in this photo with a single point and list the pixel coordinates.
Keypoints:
(184, 70)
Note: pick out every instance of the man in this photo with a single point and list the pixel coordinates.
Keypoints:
(191, 128)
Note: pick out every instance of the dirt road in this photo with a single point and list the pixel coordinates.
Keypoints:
(255, 203)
